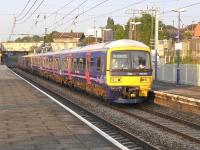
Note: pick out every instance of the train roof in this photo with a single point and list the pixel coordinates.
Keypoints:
(115, 44)
(99, 46)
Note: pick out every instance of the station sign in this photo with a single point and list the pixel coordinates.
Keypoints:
(179, 46)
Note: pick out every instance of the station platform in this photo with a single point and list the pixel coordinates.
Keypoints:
(180, 97)
(29, 120)
(181, 89)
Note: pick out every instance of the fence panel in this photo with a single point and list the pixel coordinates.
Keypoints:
(189, 73)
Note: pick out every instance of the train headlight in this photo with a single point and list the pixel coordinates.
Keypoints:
(145, 79)
(115, 79)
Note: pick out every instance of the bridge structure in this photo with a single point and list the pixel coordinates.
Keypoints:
(9, 52)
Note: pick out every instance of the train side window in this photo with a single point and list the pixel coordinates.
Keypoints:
(84, 63)
(77, 64)
(65, 64)
(74, 64)
(58, 63)
(91, 64)
(81, 64)
(49, 63)
(98, 63)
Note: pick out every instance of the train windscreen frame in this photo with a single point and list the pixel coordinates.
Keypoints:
(130, 60)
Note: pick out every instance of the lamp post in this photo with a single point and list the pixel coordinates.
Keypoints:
(178, 50)
(135, 24)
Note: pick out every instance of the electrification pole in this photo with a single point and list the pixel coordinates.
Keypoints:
(13, 28)
(45, 33)
(157, 13)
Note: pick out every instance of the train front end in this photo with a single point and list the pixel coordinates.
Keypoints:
(129, 73)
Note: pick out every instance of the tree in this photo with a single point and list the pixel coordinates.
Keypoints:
(146, 30)
(36, 38)
(119, 32)
(18, 40)
(118, 29)
(163, 33)
(187, 35)
(110, 24)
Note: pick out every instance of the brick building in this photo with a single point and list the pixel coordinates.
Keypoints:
(72, 39)
(197, 31)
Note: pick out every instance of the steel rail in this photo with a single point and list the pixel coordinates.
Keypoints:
(164, 127)
(173, 118)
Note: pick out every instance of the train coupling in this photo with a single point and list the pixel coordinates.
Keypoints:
(130, 92)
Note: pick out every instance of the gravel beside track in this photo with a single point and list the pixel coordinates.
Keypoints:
(186, 117)
(150, 133)
(185, 129)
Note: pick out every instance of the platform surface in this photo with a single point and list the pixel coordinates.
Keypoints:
(182, 90)
(29, 120)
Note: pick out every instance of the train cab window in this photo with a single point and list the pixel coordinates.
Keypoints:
(130, 60)
(121, 60)
(98, 63)
(141, 60)
(91, 64)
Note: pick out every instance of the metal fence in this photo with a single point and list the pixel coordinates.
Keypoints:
(183, 59)
(189, 73)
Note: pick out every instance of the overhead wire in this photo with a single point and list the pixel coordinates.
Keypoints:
(55, 12)
(115, 10)
(35, 24)
(32, 12)
(187, 6)
(74, 19)
(28, 11)
(61, 19)
(15, 18)
(119, 9)
(23, 9)
(12, 30)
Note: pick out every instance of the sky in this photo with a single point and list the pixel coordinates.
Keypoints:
(61, 14)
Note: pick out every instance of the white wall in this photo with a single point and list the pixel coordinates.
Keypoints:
(189, 73)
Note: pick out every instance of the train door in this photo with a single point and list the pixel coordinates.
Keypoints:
(87, 70)
(69, 66)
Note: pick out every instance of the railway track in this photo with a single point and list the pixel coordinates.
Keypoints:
(187, 130)
(128, 140)
(185, 121)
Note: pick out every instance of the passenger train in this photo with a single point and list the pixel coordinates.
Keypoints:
(119, 71)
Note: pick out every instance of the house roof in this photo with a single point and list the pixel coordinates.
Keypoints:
(68, 35)
(197, 30)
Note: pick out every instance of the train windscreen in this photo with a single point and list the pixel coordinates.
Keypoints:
(128, 60)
